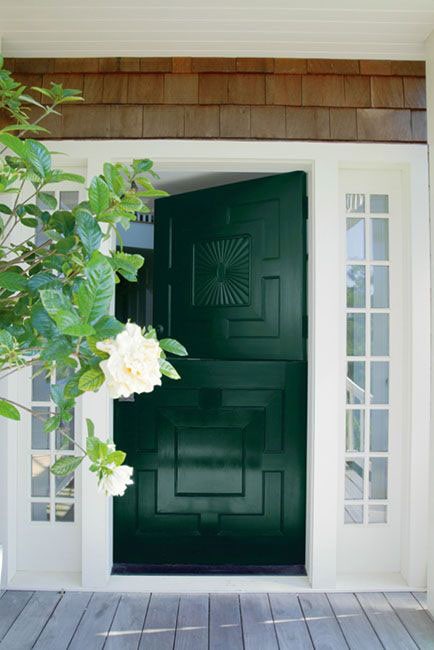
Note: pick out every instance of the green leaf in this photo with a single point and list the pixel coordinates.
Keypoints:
(58, 176)
(117, 457)
(168, 370)
(6, 340)
(91, 380)
(107, 327)
(13, 143)
(96, 292)
(30, 222)
(99, 195)
(41, 279)
(9, 411)
(65, 465)
(42, 322)
(52, 423)
(90, 427)
(53, 301)
(88, 230)
(47, 200)
(12, 281)
(113, 178)
(95, 448)
(38, 156)
(69, 323)
(5, 209)
(127, 265)
(62, 221)
(173, 347)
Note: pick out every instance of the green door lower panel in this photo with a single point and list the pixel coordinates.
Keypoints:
(219, 467)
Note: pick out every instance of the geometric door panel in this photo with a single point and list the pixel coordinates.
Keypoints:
(230, 269)
(219, 462)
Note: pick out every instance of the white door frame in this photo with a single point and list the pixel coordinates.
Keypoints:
(322, 161)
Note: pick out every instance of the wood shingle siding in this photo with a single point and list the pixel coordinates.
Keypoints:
(238, 98)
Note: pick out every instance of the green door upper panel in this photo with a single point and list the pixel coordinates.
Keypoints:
(230, 269)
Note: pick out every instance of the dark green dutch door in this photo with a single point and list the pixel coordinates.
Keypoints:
(220, 456)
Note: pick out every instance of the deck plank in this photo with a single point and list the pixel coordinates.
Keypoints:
(354, 623)
(11, 605)
(416, 620)
(321, 621)
(257, 622)
(60, 629)
(31, 621)
(422, 598)
(385, 622)
(291, 628)
(95, 624)
(225, 622)
(160, 623)
(127, 625)
(192, 625)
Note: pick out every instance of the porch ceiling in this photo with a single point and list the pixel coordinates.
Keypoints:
(279, 28)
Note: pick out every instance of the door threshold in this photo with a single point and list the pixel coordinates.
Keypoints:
(124, 569)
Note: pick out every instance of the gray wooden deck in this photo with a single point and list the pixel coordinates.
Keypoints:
(48, 620)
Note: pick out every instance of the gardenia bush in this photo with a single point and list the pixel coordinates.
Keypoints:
(56, 286)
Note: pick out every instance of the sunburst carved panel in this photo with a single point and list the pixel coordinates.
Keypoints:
(221, 272)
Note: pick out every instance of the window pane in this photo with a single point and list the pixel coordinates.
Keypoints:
(377, 514)
(356, 283)
(355, 430)
(355, 335)
(65, 486)
(40, 384)
(353, 514)
(380, 286)
(379, 203)
(355, 238)
(355, 382)
(40, 439)
(354, 478)
(380, 239)
(61, 441)
(379, 430)
(68, 200)
(64, 511)
(378, 478)
(40, 476)
(380, 335)
(355, 202)
(379, 382)
(40, 512)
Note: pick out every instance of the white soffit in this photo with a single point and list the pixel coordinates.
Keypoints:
(280, 28)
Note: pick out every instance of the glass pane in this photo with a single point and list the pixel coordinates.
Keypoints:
(40, 476)
(378, 478)
(64, 511)
(68, 200)
(356, 283)
(355, 335)
(355, 430)
(377, 514)
(354, 478)
(380, 286)
(379, 382)
(40, 512)
(65, 486)
(355, 202)
(380, 335)
(355, 382)
(379, 203)
(380, 239)
(40, 439)
(379, 430)
(61, 441)
(355, 238)
(354, 514)
(40, 384)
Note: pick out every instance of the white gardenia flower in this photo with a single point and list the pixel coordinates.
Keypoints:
(115, 483)
(133, 365)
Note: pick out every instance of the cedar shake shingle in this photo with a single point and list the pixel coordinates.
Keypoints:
(376, 67)
(343, 124)
(213, 64)
(246, 89)
(86, 121)
(385, 125)
(254, 65)
(414, 92)
(163, 121)
(333, 66)
(235, 121)
(115, 88)
(155, 64)
(129, 64)
(202, 121)
(34, 66)
(126, 121)
(145, 88)
(181, 89)
(418, 126)
(213, 88)
(181, 64)
(76, 65)
(305, 123)
(357, 91)
(408, 68)
(109, 64)
(93, 88)
(387, 92)
(323, 90)
(284, 89)
(290, 66)
(268, 122)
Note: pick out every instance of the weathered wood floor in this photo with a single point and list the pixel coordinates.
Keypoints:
(80, 621)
